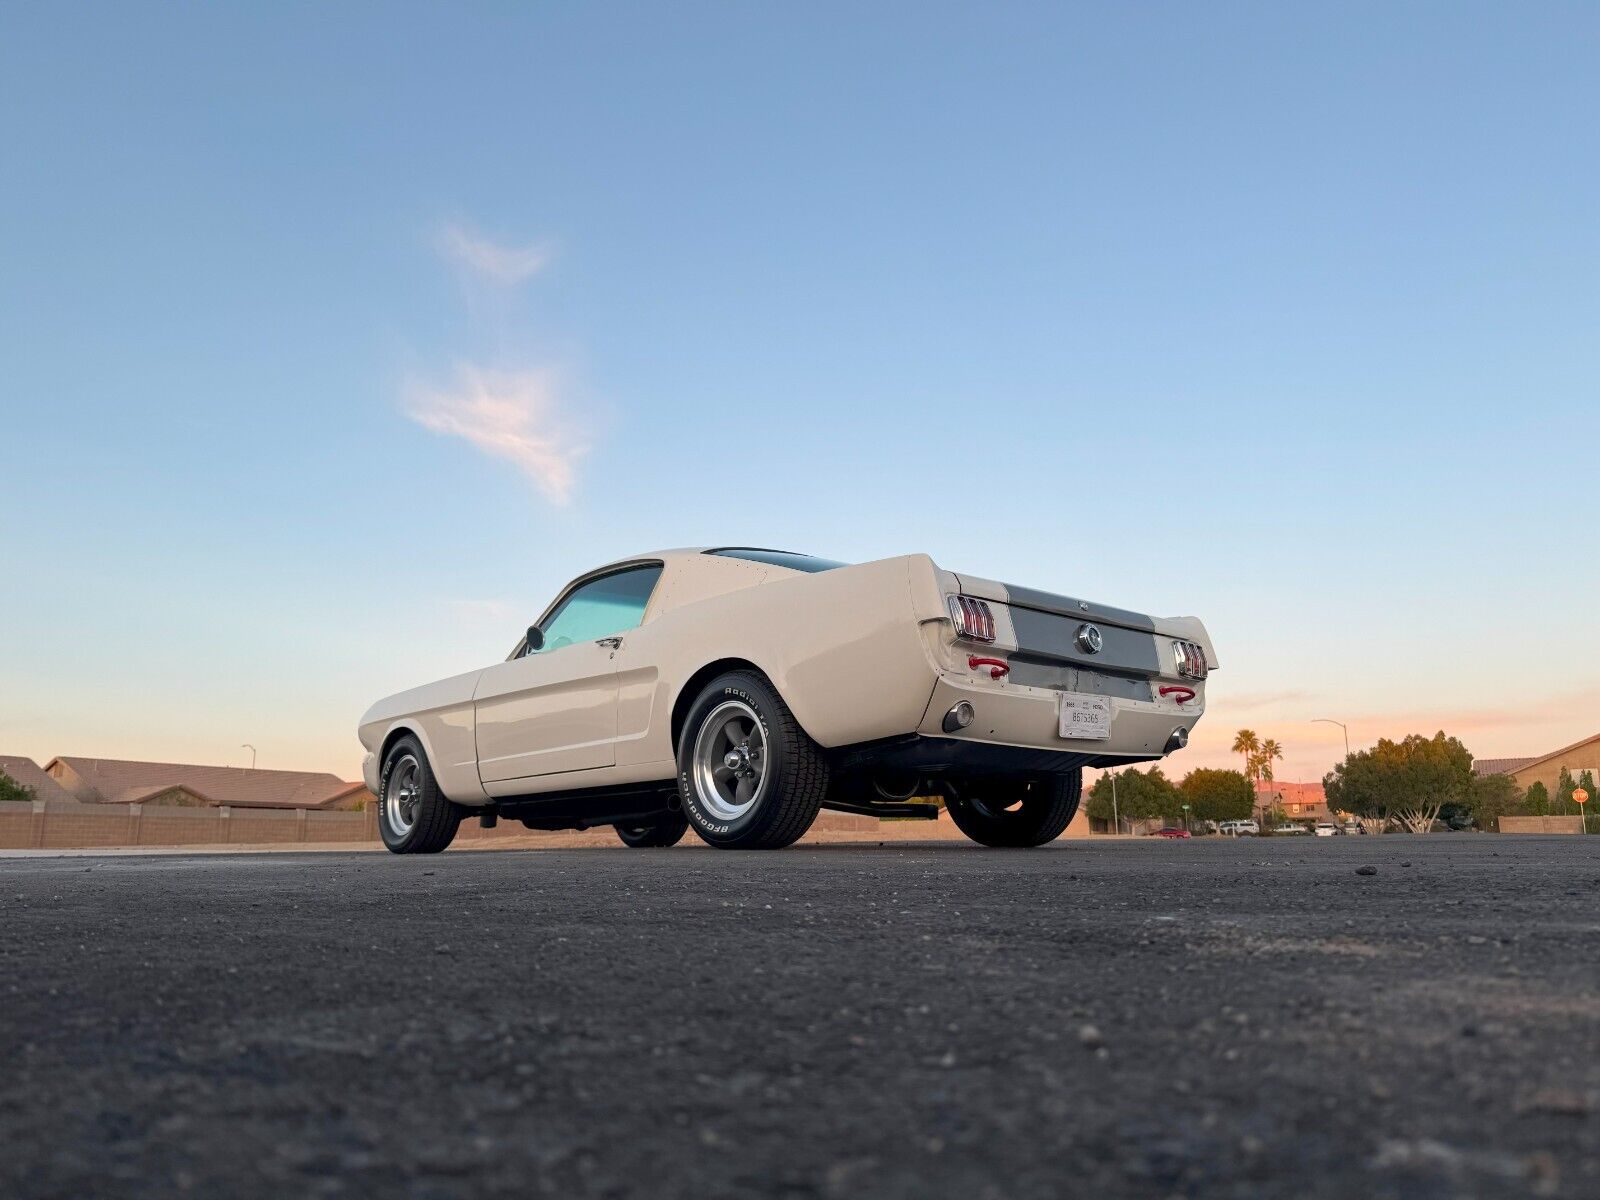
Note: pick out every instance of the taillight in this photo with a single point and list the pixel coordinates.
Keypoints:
(973, 618)
(1191, 659)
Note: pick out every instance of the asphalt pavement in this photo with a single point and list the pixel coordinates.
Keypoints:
(1240, 1018)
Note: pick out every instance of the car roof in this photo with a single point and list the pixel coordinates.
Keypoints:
(682, 553)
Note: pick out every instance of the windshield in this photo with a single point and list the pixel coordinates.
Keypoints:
(779, 558)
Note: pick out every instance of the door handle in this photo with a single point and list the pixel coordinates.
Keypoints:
(613, 642)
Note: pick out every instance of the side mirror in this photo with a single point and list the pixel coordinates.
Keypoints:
(535, 639)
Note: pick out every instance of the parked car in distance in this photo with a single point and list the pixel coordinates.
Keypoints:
(1169, 833)
(1291, 829)
(1238, 828)
(740, 690)
(1326, 829)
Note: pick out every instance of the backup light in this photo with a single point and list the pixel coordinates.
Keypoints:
(959, 716)
(974, 619)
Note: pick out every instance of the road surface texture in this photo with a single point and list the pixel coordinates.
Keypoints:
(1220, 1018)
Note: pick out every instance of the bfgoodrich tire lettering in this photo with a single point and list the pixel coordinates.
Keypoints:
(414, 817)
(749, 777)
(1011, 812)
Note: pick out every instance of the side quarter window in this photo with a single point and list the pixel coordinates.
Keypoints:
(602, 607)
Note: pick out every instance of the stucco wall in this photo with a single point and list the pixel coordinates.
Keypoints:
(1539, 825)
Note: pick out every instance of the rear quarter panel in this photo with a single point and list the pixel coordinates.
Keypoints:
(843, 648)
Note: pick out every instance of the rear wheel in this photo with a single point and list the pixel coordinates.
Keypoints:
(749, 777)
(414, 817)
(665, 832)
(1007, 811)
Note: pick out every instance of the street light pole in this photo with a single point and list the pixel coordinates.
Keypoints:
(252, 749)
(1116, 821)
(1341, 725)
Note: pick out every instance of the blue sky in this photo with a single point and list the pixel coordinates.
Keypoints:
(1284, 317)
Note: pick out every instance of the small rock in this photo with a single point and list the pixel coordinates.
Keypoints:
(1366, 870)
(1090, 1037)
(1558, 1102)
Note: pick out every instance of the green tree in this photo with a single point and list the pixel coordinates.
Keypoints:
(1409, 780)
(1565, 786)
(1491, 797)
(1586, 782)
(10, 789)
(1536, 802)
(1218, 795)
(1140, 795)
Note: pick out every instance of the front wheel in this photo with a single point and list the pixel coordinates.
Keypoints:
(749, 777)
(1007, 811)
(414, 816)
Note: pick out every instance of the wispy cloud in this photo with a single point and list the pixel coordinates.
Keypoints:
(514, 415)
(487, 260)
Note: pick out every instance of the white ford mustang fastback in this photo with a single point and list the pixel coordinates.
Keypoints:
(740, 690)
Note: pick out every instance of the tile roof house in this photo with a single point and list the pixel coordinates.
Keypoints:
(30, 775)
(118, 781)
(1296, 799)
(1583, 755)
(1500, 766)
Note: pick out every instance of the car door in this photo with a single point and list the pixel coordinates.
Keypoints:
(554, 709)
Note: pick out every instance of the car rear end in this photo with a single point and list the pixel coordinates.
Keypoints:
(1033, 680)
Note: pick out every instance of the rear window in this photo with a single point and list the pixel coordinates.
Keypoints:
(779, 558)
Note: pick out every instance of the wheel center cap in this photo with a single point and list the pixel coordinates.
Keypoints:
(734, 760)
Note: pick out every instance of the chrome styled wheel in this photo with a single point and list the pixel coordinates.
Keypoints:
(414, 816)
(730, 760)
(402, 795)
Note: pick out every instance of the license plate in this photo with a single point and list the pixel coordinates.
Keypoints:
(1085, 717)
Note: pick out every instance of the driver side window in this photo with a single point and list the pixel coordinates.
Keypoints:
(602, 607)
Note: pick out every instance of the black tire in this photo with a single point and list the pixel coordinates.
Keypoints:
(665, 832)
(793, 776)
(434, 819)
(1007, 811)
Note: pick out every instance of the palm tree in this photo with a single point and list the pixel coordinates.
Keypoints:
(1269, 750)
(1246, 742)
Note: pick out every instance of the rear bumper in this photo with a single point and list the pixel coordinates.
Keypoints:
(925, 755)
(1018, 718)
